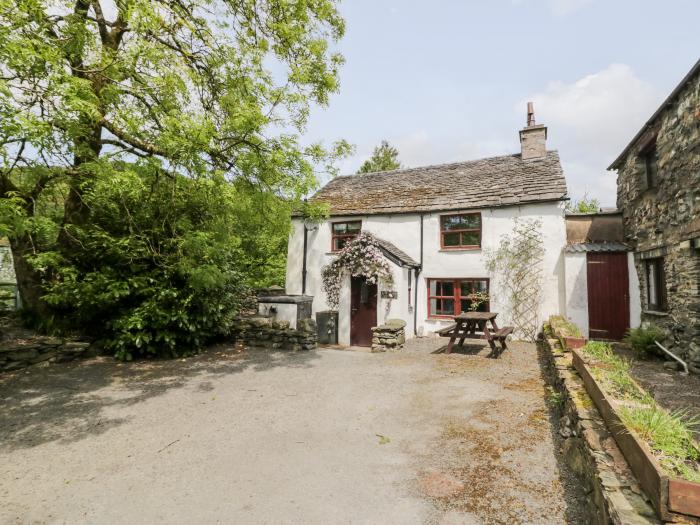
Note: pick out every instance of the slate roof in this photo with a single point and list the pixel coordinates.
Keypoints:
(396, 255)
(483, 183)
(585, 247)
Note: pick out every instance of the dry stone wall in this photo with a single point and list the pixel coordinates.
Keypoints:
(265, 332)
(7, 277)
(39, 349)
(662, 221)
(389, 336)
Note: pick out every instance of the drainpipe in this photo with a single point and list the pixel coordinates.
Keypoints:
(303, 266)
(674, 356)
(417, 273)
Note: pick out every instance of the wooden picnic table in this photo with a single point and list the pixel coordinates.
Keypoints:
(475, 325)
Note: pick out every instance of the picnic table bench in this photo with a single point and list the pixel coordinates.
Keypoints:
(475, 325)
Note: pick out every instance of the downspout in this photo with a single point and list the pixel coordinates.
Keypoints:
(303, 264)
(674, 356)
(415, 289)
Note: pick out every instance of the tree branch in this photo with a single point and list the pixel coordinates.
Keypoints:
(132, 141)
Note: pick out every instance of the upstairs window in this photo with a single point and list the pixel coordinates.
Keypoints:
(344, 232)
(656, 285)
(651, 166)
(449, 297)
(460, 231)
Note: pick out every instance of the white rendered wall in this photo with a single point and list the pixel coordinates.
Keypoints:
(635, 299)
(404, 232)
(285, 312)
(576, 278)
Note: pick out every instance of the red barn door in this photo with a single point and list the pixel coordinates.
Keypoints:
(608, 295)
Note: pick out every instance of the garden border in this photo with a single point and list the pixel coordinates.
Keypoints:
(613, 494)
(671, 498)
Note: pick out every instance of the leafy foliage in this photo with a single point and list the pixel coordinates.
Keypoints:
(642, 339)
(360, 257)
(384, 158)
(160, 271)
(584, 205)
(150, 155)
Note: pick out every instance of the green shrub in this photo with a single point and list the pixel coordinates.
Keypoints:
(157, 270)
(642, 339)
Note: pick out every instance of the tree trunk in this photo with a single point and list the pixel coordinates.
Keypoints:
(28, 280)
(75, 211)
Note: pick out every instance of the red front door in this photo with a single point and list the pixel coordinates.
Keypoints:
(363, 311)
(608, 295)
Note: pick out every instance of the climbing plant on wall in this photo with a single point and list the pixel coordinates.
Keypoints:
(517, 265)
(361, 257)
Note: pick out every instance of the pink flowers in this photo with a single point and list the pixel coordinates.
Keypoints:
(360, 257)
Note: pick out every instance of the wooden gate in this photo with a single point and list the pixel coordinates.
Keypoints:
(608, 295)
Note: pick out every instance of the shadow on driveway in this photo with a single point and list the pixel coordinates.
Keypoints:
(68, 402)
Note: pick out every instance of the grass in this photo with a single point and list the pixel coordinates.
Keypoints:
(671, 435)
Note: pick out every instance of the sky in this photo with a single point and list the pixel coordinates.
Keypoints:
(448, 80)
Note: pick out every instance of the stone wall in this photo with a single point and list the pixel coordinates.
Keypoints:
(7, 277)
(389, 336)
(265, 332)
(23, 353)
(664, 221)
(612, 492)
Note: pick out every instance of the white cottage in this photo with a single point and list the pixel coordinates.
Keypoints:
(435, 225)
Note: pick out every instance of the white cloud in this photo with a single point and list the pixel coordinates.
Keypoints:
(590, 121)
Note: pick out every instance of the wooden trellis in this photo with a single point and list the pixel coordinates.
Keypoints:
(518, 265)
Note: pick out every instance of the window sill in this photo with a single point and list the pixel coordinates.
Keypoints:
(657, 313)
(461, 249)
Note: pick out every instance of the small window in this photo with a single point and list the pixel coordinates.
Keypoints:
(461, 231)
(449, 297)
(656, 285)
(344, 232)
(651, 166)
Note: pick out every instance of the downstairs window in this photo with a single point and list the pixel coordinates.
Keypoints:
(449, 297)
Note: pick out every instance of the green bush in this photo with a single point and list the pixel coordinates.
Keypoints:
(157, 268)
(642, 339)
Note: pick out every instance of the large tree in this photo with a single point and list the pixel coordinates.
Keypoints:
(384, 158)
(180, 88)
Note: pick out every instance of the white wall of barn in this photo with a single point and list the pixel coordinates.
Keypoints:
(576, 291)
(404, 231)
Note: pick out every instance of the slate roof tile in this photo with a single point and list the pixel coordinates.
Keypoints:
(495, 181)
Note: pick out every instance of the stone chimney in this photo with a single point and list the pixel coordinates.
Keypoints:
(533, 137)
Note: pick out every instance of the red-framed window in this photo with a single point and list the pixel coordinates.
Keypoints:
(343, 232)
(449, 297)
(460, 231)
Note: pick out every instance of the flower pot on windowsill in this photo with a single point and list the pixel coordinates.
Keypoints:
(572, 342)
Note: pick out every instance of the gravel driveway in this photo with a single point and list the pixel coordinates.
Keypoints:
(323, 437)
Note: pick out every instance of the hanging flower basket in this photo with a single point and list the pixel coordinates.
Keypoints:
(360, 257)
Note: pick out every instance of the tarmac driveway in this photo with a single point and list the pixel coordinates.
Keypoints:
(322, 437)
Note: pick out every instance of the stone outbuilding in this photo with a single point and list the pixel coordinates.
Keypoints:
(659, 196)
